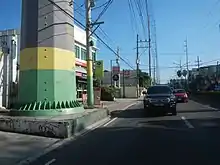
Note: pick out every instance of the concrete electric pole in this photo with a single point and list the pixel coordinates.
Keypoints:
(149, 40)
(187, 60)
(187, 56)
(137, 64)
(90, 94)
(138, 60)
(198, 62)
(118, 63)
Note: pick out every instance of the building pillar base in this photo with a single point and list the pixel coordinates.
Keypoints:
(47, 108)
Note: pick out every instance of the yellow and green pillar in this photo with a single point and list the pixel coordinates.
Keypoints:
(47, 82)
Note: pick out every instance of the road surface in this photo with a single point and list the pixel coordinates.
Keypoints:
(190, 138)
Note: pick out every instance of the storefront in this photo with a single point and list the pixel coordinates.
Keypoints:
(81, 81)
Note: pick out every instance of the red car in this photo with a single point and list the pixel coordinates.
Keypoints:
(181, 95)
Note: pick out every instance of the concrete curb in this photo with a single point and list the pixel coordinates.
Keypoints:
(56, 127)
(64, 142)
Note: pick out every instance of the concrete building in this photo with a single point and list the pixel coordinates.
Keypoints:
(80, 51)
(9, 61)
(209, 71)
(130, 78)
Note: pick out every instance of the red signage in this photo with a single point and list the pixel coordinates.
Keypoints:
(79, 74)
(116, 69)
(81, 62)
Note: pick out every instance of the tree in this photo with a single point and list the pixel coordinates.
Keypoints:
(144, 79)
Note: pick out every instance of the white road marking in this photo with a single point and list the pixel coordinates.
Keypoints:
(188, 124)
(50, 162)
(110, 122)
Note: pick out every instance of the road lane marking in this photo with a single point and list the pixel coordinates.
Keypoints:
(50, 162)
(110, 122)
(188, 124)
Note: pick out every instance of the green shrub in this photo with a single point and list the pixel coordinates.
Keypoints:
(107, 93)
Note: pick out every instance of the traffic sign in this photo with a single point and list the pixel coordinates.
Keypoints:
(116, 77)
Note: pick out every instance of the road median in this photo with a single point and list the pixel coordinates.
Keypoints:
(208, 98)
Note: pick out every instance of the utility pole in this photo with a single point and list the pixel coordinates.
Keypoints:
(149, 40)
(137, 63)
(198, 62)
(123, 82)
(187, 56)
(90, 94)
(217, 70)
(111, 65)
(187, 61)
(138, 60)
(156, 73)
(118, 63)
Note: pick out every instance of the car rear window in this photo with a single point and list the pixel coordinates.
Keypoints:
(159, 90)
(179, 91)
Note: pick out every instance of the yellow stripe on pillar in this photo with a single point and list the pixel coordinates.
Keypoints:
(46, 58)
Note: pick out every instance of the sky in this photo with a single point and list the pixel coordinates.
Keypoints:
(176, 20)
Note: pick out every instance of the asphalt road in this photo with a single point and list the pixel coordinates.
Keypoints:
(190, 138)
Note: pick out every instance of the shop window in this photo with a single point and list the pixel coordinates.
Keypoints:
(83, 54)
(77, 51)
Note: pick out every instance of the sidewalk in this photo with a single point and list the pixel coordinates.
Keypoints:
(17, 147)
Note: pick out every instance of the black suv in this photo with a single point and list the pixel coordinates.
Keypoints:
(159, 98)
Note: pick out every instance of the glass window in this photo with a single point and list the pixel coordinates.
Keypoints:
(77, 51)
(83, 54)
(159, 90)
(179, 91)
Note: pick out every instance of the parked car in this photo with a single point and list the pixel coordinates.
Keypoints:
(181, 96)
(159, 99)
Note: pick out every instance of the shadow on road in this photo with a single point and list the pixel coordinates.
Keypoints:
(135, 113)
(141, 144)
(130, 113)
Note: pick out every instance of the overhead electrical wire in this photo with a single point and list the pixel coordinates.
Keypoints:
(100, 30)
(104, 10)
(100, 6)
(132, 17)
(112, 50)
(140, 13)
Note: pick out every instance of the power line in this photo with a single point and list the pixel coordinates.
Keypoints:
(53, 3)
(139, 10)
(99, 28)
(100, 6)
(104, 10)
(132, 17)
